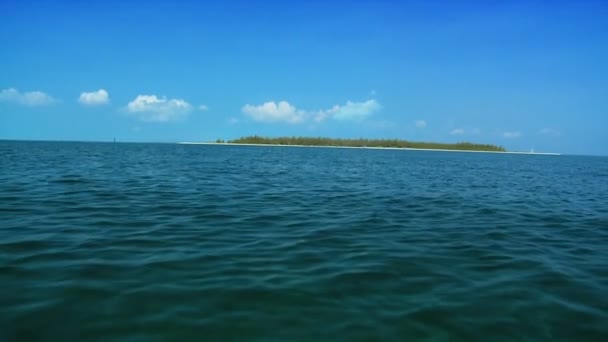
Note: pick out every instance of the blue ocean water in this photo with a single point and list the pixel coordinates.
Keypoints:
(146, 242)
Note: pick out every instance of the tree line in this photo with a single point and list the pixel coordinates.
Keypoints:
(362, 142)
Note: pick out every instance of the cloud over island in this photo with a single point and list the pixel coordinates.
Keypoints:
(275, 112)
(283, 111)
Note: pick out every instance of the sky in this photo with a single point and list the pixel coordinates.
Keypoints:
(527, 75)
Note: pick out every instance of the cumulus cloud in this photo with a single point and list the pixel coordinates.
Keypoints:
(356, 110)
(322, 115)
(550, 132)
(154, 109)
(28, 98)
(275, 112)
(420, 123)
(283, 111)
(94, 98)
(203, 108)
(457, 131)
(512, 135)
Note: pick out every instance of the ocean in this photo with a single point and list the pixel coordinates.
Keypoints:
(158, 242)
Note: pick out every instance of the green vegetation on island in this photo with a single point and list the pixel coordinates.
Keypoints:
(361, 142)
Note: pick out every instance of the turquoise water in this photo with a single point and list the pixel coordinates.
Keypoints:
(155, 242)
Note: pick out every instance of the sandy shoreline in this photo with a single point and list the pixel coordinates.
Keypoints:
(372, 148)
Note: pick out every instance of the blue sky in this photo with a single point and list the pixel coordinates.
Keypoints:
(522, 74)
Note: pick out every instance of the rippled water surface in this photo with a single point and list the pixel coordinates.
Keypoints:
(146, 242)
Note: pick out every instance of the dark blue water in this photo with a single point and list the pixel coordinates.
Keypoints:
(155, 242)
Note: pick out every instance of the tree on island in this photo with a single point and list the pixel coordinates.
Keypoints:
(362, 142)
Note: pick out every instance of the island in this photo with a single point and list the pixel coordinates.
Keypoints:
(362, 143)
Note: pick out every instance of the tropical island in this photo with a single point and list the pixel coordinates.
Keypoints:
(363, 143)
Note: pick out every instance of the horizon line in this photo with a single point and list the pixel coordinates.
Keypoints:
(213, 143)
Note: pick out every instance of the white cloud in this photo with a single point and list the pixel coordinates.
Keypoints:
(457, 131)
(94, 98)
(275, 112)
(153, 108)
(420, 123)
(550, 132)
(356, 110)
(285, 112)
(512, 135)
(322, 115)
(203, 108)
(28, 98)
